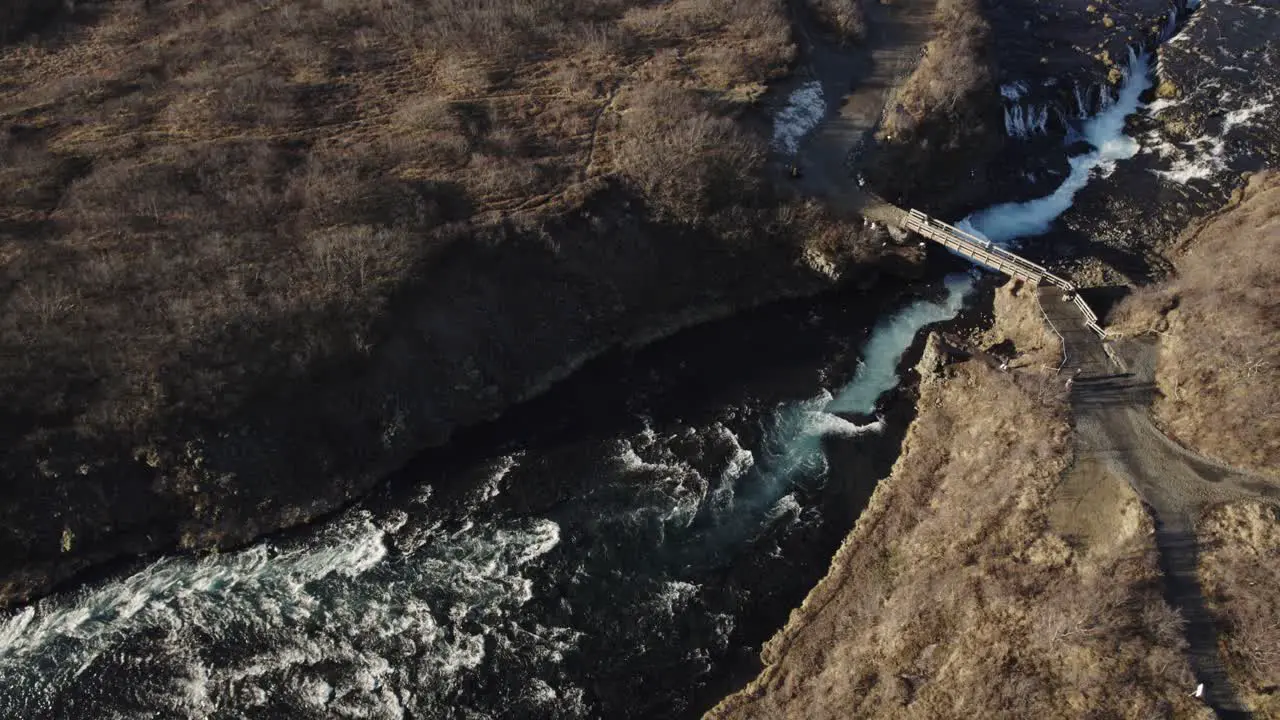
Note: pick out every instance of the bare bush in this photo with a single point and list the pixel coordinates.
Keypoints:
(847, 19)
(688, 160)
(953, 67)
(1218, 321)
(1240, 571)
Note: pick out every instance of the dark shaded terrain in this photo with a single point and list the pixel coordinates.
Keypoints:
(256, 256)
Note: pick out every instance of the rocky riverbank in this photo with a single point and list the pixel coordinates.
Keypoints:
(988, 575)
(488, 326)
(254, 259)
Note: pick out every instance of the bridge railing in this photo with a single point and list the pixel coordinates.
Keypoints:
(993, 256)
(982, 250)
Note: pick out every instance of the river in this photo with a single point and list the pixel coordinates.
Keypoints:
(619, 548)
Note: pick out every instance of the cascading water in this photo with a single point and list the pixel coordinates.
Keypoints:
(1007, 222)
(804, 110)
(1224, 119)
(1014, 90)
(877, 374)
(1170, 26)
(1082, 102)
(603, 575)
(1023, 121)
(794, 442)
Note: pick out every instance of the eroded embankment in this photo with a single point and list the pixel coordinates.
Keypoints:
(988, 576)
(252, 259)
(1218, 374)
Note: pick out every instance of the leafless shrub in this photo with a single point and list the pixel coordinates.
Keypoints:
(689, 161)
(1219, 366)
(354, 261)
(845, 18)
(953, 66)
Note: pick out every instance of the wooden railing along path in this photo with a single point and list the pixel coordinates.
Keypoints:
(990, 255)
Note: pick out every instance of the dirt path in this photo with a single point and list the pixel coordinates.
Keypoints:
(857, 83)
(1114, 430)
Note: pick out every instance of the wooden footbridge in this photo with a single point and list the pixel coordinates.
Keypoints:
(990, 255)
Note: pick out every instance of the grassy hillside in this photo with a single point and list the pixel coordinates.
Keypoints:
(254, 255)
(1240, 572)
(1218, 319)
(197, 194)
(989, 576)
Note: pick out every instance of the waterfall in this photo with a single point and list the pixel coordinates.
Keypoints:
(1024, 121)
(1014, 90)
(1171, 26)
(1082, 102)
(1007, 222)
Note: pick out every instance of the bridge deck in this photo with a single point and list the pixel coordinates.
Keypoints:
(993, 256)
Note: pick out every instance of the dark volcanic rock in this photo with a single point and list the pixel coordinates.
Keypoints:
(1213, 117)
(1059, 62)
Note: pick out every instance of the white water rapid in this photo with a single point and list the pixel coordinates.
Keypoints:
(805, 109)
(470, 605)
(1023, 121)
(1007, 222)
(794, 442)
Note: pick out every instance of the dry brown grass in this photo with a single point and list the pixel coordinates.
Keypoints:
(203, 201)
(846, 19)
(684, 157)
(953, 68)
(983, 582)
(1022, 335)
(1240, 572)
(942, 127)
(1219, 324)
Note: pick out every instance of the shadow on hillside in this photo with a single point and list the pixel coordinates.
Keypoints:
(25, 19)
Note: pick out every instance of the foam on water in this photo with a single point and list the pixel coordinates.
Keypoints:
(805, 109)
(405, 613)
(296, 612)
(890, 339)
(673, 596)
(793, 441)
(1207, 155)
(1105, 132)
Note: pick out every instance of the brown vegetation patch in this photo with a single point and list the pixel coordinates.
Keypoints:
(845, 19)
(199, 198)
(971, 587)
(1219, 324)
(942, 126)
(953, 68)
(1240, 572)
(255, 254)
(1023, 336)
